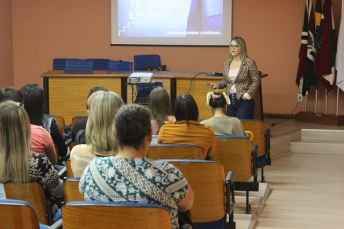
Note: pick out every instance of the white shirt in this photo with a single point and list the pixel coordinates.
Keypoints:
(232, 75)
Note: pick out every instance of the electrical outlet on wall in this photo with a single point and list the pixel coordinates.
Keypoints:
(299, 97)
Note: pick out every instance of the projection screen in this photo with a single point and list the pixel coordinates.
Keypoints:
(171, 22)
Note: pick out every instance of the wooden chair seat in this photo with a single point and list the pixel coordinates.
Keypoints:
(208, 182)
(31, 193)
(69, 169)
(71, 190)
(16, 214)
(116, 215)
(236, 154)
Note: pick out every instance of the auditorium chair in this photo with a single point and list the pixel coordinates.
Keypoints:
(236, 154)
(60, 63)
(16, 214)
(99, 64)
(213, 193)
(33, 194)
(79, 65)
(262, 139)
(143, 61)
(119, 65)
(71, 190)
(69, 169)
(174, 151)
(116, 215)
(59, 121)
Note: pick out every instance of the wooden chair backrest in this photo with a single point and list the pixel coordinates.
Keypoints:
(33, 194)
(235, 154)
(14, 216)
(59, 120)
(69, 169)
(71, 190)
(207, 180)
(79, 117)
(258, 128)
(102, 215)
(174, 151)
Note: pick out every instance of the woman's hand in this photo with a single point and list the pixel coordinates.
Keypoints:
(212, 85)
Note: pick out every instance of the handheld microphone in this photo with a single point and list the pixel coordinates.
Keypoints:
(217, 74)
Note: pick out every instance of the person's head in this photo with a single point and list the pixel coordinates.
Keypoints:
(94, 89)
(90, 100)
(15, 142)
(99, 132)
(237, 47)
(185, 108)
(217, 100)
(33, 102)
(159, 104)
(12, 94)
(133, 126)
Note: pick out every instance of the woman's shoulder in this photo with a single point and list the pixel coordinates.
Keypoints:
(81, 149)
(38, 159)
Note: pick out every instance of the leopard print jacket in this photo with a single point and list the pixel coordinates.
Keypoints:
(247, 81)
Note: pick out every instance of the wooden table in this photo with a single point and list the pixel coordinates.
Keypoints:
(65, 92)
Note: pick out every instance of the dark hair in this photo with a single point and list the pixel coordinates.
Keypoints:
(185, 108)
(33, 102)
(12, 94)
(159, 104)
(220, 102)
(132, 125)
(94, 89)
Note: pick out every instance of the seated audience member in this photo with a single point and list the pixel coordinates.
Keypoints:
(221, 123)
(11, 94)
(99, 131)
(81, 124)
(34, 104)
(159, 104)
(18, 163)
(132, 177)
(41, 141)
(187, 130)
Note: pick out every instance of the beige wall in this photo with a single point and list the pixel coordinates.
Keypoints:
(6, 44)
(44, 30)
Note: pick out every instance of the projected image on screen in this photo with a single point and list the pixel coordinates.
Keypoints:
(170, 18)
(171, 22)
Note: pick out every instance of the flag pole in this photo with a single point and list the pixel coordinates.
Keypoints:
(326, 97)
(316, 101)
(306, 103)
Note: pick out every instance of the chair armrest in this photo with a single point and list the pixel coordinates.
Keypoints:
(62, 173)
(230, 199)
(267, 146)
(255, 162)
(209, 158)
(57, 224)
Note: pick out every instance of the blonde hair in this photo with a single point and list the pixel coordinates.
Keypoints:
(15, 143)
(242, 44)
(99, 127)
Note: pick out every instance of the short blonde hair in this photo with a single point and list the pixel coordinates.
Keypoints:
(99, 127)
(15, 143)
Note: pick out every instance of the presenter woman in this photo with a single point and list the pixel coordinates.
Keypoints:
(241, 79)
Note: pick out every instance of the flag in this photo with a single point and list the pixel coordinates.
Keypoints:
(305, 77)
(325, 53)
(340, 54)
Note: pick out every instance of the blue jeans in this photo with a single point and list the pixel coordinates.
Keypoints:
(242, 109)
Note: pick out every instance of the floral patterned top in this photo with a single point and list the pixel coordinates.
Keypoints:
(139, 180)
